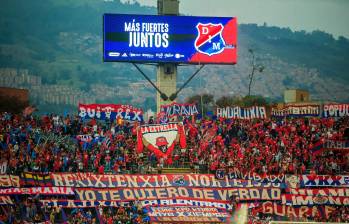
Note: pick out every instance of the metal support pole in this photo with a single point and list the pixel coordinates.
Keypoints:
(166, 75)
(174, 95)
(163, 95)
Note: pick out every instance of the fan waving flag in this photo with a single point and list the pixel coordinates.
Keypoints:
(317, 148)
(161, 139)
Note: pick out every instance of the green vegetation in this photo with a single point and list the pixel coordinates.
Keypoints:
(247, 101)
(317, 49)
(60, 40)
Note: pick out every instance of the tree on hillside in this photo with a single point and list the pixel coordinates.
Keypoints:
(228, 101)
(204, 102)
(249, 101)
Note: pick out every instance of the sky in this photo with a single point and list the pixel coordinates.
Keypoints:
(331, 16)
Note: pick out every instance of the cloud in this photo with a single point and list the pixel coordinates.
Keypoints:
(327, 15)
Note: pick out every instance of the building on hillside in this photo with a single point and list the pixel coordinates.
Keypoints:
(296, 96)
(20, 94)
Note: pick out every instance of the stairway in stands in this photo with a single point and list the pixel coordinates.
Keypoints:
(176, 170)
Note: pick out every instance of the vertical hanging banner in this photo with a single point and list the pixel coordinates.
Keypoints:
(9, 181)
(177, 109)
(6, 200)
(3, 167)
(161, 139)
(336, 110)
(110, 111)
(242, 113)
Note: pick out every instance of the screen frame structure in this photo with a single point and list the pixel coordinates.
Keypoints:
(233, 47)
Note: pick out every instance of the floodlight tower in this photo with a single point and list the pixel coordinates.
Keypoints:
(166, 76)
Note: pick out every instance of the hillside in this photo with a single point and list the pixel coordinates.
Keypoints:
(61, 42)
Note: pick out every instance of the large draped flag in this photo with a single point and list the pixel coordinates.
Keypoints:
(161, 139)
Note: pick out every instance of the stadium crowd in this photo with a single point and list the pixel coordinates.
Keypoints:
(54, 143)
(29, 210)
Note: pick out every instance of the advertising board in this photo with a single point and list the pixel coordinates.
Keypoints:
(172, 39)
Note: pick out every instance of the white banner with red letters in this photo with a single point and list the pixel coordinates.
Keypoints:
(3, 167)
(161, 139)
(38, 190)
(237, 112)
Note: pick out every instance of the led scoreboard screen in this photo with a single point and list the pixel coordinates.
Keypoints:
(175, 39)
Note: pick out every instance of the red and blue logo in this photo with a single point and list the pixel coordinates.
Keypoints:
(215, 42)
(209, 40)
